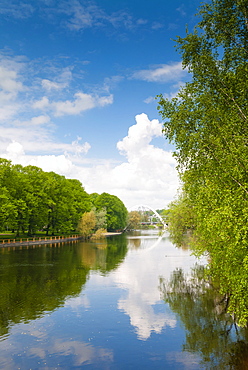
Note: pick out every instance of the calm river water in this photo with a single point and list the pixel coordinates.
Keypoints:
(127, 302)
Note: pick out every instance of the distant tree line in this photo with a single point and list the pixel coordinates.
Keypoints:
(32, 200)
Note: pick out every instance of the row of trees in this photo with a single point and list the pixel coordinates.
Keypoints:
(32, 200)
(208, 123)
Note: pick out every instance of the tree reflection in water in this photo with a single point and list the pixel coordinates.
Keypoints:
(38, 280)
(210, 331)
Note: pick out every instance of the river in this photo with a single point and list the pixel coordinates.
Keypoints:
(132, 301)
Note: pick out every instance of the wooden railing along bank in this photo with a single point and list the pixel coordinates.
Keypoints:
(38, 240)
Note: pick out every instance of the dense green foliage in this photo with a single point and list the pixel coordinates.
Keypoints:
(207, 121)
(181, 221)
(32, 200)
(116, 212)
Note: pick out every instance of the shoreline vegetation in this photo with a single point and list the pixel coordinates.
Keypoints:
(34, 201)
(12, 242)
(207, 122)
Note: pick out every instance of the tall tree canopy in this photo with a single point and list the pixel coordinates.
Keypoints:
(116, 212)
(207, 122)
(32, 200)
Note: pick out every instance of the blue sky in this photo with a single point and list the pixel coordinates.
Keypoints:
(77, 86)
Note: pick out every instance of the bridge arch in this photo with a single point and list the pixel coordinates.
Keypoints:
(143, 208)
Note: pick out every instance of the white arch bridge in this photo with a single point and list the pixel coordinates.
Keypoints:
(144, 208)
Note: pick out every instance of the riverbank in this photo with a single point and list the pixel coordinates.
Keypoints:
(37, 241)
(45, 240)
(112, 233)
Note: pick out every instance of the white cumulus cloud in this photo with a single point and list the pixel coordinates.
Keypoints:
(147, 174)
(55, 163)
(40, 120)
(10, 86)
(8, 80)
(161, 73)
(41, 104)
(50, 85)
(81, 103)
(61, 82)
(14, 151)
(139, 136)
